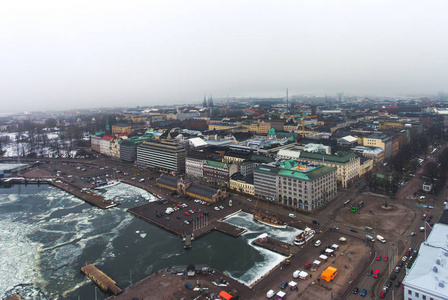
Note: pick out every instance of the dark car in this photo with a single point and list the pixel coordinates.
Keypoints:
(369, 272)
(355, 290)
(393, 277)
(389, 284)
(353, 230)
(284, 284)
(401, 264)
(397, 283)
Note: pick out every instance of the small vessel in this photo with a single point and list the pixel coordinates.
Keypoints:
(304, 236)
(106, 184)
(268, 220)
(187, 241)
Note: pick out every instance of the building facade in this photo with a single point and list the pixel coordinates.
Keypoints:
(165, 156)
(347, 164)
(307, 187)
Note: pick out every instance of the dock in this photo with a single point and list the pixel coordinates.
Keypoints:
(276, 246)
(229, 229)
(88, 196)
(103, 281)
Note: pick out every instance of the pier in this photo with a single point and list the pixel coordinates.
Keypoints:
(276, 246)
(103, 281)
(229, 229)
(87, 195)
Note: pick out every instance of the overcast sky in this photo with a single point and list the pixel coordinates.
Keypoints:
(73, 54)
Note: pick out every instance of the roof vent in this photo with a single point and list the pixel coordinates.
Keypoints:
(435, 269)
(438, 261)
(441, 284)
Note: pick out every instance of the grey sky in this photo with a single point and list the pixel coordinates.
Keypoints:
(73, 54)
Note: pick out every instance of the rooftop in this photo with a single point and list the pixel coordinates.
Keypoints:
(342, 157)
(430, 269)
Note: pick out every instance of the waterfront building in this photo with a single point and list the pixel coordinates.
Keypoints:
(163, 155)
(218, 173)
(347, 164)
(192, 188)
(304, 186)
(427, 278)
(95, 141)
(194, 164)
(242, 184)
(128, 147)
(105, 144)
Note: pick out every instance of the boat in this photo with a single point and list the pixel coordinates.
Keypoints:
(269, 220)
(187, 241)
(304, 236)
(106, 184)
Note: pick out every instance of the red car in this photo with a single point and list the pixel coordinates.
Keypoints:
(194, 210)
(378, 257)
(187, 213)
(307, 266)
(383, 294)
(386, 258)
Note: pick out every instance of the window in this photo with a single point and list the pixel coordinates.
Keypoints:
(416, 294)
(423, 297)
(409, 292)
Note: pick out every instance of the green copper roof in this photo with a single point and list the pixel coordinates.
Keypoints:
(216, 164)
(341, 158)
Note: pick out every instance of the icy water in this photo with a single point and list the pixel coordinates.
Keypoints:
(46, 235)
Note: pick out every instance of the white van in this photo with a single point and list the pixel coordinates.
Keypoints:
(380, 238)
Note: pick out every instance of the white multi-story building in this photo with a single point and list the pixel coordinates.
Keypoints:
(428, 277)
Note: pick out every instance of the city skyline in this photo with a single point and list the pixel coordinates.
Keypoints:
(84, 55)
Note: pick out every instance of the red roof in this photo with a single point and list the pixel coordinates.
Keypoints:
(107, 137)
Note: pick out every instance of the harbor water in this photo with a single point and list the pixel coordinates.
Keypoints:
(46, 235)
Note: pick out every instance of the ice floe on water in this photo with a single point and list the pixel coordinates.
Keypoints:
(44, 232)
(254, 230)
(126, 193)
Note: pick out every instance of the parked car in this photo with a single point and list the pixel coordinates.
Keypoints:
(317, 243)
(355, 290)
(397, 269)
(378, 257)
(393, 276)
(307, 265)
(353, 230)
(397, 283)
(284, 284)
(363, 292)
(383, 294)
(404, 258)
(389, 284)
(369, 272)
(412, 234)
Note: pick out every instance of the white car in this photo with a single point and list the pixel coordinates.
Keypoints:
(292, 216)
(318, 243)
(216, 208)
